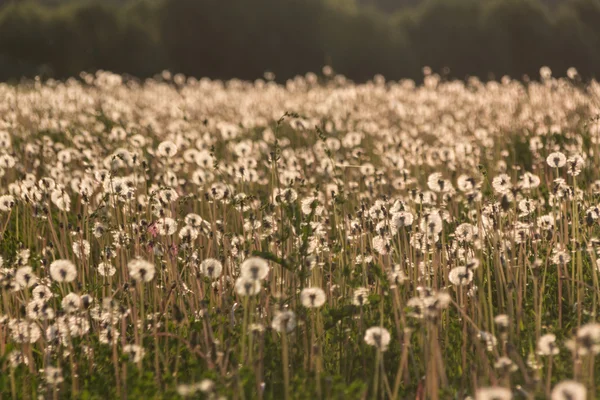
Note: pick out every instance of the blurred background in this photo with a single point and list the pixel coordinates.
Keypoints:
(245, 38)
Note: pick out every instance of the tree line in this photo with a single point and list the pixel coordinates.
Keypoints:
(243, 39)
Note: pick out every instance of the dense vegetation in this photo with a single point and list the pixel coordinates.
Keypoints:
(314, 240)
(396, 5)
(225, 39)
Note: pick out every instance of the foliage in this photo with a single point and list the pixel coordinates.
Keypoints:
(227, 39)
(322, 239)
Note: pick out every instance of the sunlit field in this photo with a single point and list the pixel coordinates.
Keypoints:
(313, 240)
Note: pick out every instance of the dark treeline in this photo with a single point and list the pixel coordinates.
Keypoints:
(395, 5)
(245, 38)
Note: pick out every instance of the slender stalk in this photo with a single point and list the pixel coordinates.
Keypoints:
(285, 364)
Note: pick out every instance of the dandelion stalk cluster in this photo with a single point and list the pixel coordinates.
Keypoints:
(319, 239)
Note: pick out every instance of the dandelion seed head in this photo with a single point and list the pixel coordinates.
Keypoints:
(378, 337)
(360, 296)
(569, 390)
(63, 271)
(493, 393)
(460, 276)
(245, 286)
(547, 345)
(141, 270)
(284, 321)
(211, 268)
(312, 297)
(254, 268)
(556, 160)
(53, 375)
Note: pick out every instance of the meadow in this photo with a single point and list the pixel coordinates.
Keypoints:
(317, 239)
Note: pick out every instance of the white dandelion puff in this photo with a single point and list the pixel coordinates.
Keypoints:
(63, 271)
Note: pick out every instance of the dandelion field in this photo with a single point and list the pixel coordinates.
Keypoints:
(317, 239)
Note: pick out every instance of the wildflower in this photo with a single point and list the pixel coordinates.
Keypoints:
(256, 328)
(401, 219)
(25, 277)
(378, 210)
(186, 390)
(141, 270)
(529, 181)
(489, 339)
(42, 292)
(71, 302)
(493, 393)
(188, 234)
(397, 276)
(245, 286)
(106, 269)
(366, 169)
(545, 72)
(16, 358)
(312, 297)
(284, 321)
(546, 222)
(39, 310)
(81, 248)
(53, 375)
(287, 196)
(464, 232)
(166, 226)
(460, 276)
(23, 257)
(560, 257)
(211, 268)
(501, 184)
(526, 206)
(166, 149)
(574, 165)
(254, 268)
(502, 322)
(86, 301)
(63, 271)
(109, 252)
(505, 365)
(219, 191)
(381, 244)
(309, 204)
(99, 230)
(432, 302)
(135, 352)
(109, 335)
(7, 202)
(24, 332)
(466, 183)
(119, 187)
(556, 160)
(378, 337)
(431, 224)
(360, 297)
(167, 195)
(587, 339)
(61, 199)
(5, 139)
(206, 385)
(546, 345)
(592, 214)
(569, 390)
(436, 183)
(194, 220)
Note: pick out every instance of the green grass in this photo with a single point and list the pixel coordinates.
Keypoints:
(204, 332)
